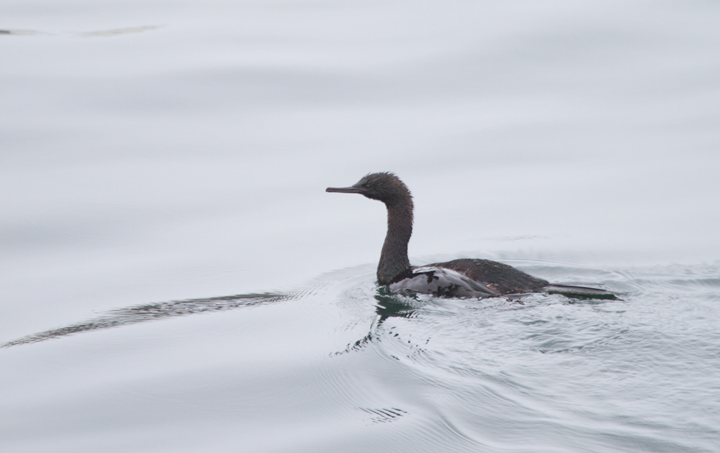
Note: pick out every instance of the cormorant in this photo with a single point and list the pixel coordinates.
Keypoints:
(457, 278)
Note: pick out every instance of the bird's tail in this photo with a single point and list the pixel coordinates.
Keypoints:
(579, 292)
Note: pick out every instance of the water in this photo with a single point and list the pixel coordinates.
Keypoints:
(159, 152)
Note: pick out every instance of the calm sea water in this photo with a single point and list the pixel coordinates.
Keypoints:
(157, 158)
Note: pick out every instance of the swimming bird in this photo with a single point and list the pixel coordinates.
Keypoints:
(476, 278)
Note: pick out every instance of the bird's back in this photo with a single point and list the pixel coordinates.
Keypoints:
(499, 277)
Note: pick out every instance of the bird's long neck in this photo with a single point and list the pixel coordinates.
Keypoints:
(394, 257)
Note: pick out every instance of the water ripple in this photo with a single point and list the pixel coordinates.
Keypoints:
(153, 312)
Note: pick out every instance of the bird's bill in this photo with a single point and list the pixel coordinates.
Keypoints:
(351, 189)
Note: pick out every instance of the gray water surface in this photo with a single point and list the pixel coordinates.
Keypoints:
(155, 152)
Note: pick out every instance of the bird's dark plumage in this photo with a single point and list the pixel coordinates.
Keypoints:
(457, 278)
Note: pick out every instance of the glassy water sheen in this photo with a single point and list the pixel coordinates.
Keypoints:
(156, 157)
(346, 368)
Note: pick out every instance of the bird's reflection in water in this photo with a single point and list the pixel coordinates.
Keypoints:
(151, 312)
(388, 305)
